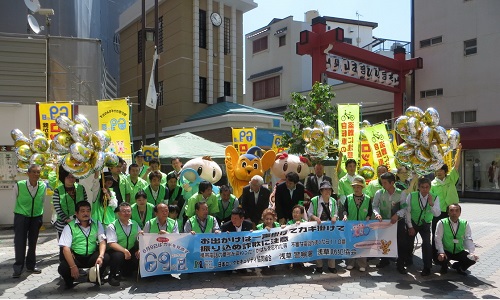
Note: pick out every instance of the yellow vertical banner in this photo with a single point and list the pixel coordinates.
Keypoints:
(381, 146)
(150, 152)
(366, 156)
(244, 139)
(393, 139)
(348, 122)
(114, 117)
(48, 113)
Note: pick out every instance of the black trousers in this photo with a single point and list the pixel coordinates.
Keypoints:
(435, 220)
(81, 261)
(461, 257)
(118, 264)
(25, 229)
(425, 234)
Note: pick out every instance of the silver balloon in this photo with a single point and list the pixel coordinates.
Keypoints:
(71, 165)
(436, 164)
(422, 154)
(329, 133)
(436, 151)
(79, 133)
(453, 139)
(38, 159)
(97, 161)
(411, 140)
(61, 143)
(16, 133)
(319, 124)
(80, 152)
(405, 149)
(431, 117)
(22, 140)
(23, 153)
(101, 140)
(85, 172)
(81, 119)
(36, 132)
(414, 111)
(401, 125)
(426, 136)
(440, 135)
(64, 123)
(414, 127)
(39, 144)
(111, 159)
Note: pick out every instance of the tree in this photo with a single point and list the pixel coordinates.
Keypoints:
(303, 111)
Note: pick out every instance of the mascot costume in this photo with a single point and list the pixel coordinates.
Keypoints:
(195, 171)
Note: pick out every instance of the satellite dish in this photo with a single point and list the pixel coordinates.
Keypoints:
(33, 5)
(34, 24)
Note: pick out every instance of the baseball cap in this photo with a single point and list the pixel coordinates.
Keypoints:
(139, 153)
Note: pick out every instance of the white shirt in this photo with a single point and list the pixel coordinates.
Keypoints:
(438, 237)
(436, 209)
(147, 226)
(66, 238)
(256, 195)
(310, 211)
(238, 229)
(111, 231)
(31, 189)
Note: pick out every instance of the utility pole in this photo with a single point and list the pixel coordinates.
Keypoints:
(157, 140)
(143, 77)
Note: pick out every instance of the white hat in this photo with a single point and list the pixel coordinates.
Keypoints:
(94, 274)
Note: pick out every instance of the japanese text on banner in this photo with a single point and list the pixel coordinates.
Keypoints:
(114, 117)
(48, 113)
(243, 139)
(381, 146)
(348, 118)
(366, 157)
(187, 253)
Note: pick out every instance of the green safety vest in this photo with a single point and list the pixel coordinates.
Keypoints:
(161, 195)
(385, 206)
(156, 228)
(67, 203)
(124, 240)
(261, 225)
(419, 215)
(291, 222)
(122, 186)
(361, 212)
(149, 213)
(140, 185)
(314, 202)
(26, 204)
(143, 171)
(448, 236)
(82, 244)
(98, 212)
(196, 227)
(222, 214)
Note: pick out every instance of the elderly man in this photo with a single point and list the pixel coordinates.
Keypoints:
(28, 213)
(84, 245)
(162, 224)
(288, 194)
(227, 202)
(201, 222)
(254, 199)
(313, 182)
(122, 239)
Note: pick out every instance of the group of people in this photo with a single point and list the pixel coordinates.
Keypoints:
(103, 231)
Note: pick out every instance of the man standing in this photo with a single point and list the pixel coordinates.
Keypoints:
(155, 191)
(376, 185)
(122, 239)
(227, 202)
(154, 165)
(162, 224)
(28, 213)
(134, 182)
(237, 223)
(453, 236)
(177, 165)
(84, 245)
(120, 186)
(345, 182)
(139, 160)
(201, 222)
(254, 199)
(206, 195)
(288, 194)
(313, 182)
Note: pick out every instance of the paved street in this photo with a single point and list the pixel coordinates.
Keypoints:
(482, 282)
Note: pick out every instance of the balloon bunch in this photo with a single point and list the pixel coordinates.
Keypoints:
(367, 172)
(362, 126)
(32, 150)
(80, 151)
(426, 143)
(318, 139)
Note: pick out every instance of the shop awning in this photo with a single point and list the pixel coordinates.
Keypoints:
(483, 137)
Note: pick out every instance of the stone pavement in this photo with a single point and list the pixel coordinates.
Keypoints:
(482, 282)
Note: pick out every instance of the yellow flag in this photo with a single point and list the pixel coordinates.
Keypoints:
(114, 117)
(48, 113)
(243, 139)
(381, 146)
(348, 122)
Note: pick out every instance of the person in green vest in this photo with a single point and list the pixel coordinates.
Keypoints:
(175, 190)
(206, 195)
(84, 245)
(139, 160)
(454, 241)
(201, 222)
(122, 240)
(324, 208)
(120, 186)
(444, 186)
(161, 224)
(134, 182)
(389, 203)
(174, 213)
(104, 204)
(344, 186)
(155, 191)
(154, 166)
(226, 202)
(421, 207)
(270, 219)
(375, 185)
(29, 195)
(142, 210)
(357, 207)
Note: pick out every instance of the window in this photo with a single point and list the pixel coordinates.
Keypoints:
(160, 34)
(139, 100)
(348, 40)
(461, 117)
(227, 36)
(282, 41)
(470, 47)
(260, 44)
(202, 25)
(227, 88)
(267, 88)
(431, 41)
(139, 47)
(160, 94)
(203, 90)
(431, 93)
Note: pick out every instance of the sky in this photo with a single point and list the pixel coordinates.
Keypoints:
(392, 16)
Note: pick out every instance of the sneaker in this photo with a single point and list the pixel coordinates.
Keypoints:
(425, 272)
(349, 267)
(113, 281)
(362, 269)
(402, 270)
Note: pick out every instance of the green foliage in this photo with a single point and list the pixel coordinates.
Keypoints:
(303, 111)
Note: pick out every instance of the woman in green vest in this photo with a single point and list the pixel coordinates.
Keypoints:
(269, 217)
(142, 210)
(65, 198)
(104, 204)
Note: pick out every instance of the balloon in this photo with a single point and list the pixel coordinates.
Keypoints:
(21, 170)
(401, 125)
(366, 172)
(365, 123)
(97, 161)
(436, 151)
(22, 140)
(415, 161)
(414, 127)
(16, 133)
(24, 153)
(80, 152)
(402, 159)
(320, 144)
(362, 135)
(39, 144)
(23, 165)
(329, 133)
(110, 159)
(38, 159)
(101, 140)
(411, 140)
(61, 142)
(440, 135)
(81, 119)
(306, 134)
(453, 139)
(415, 112)
(436, 164)
(422, 154)
(84, 172)
(431, 117)
(426, 136)
(71, 165)
(316, 133)
(79, 133)
(319, 124)
(64, 123)
(405, 149)
(311, 149)
(36, 132)
(45, 171)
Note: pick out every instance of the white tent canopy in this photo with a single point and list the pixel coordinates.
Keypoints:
(188, 146)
